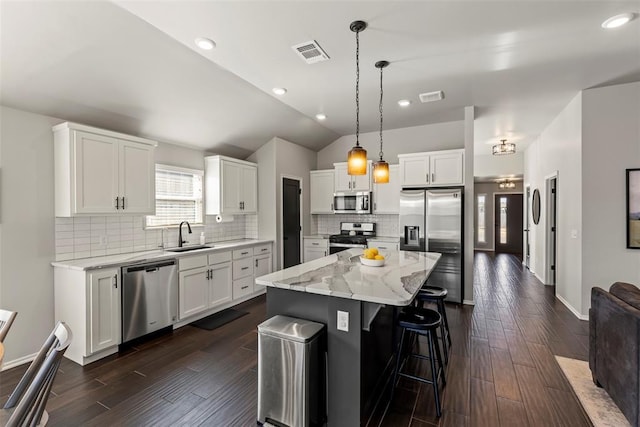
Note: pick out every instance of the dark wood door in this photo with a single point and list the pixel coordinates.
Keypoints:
(508, 223)
(291, 222)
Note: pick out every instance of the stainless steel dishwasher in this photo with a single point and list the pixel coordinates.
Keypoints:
(149, 298)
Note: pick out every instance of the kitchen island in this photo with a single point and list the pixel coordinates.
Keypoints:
(360, 357)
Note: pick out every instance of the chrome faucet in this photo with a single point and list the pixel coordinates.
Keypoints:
(180, 241)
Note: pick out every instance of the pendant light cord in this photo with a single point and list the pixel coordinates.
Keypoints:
(357, 88)
(381, 92)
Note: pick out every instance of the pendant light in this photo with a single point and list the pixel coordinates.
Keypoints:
(504, 148)
(357, 159)
(381, 168)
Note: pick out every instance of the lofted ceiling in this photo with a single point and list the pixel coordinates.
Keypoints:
(133, 65)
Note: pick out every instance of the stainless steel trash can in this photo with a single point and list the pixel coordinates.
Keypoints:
(291, 372)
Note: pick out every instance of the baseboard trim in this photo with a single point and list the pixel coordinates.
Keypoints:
(572, 309)
(468, 302)
(17, 362)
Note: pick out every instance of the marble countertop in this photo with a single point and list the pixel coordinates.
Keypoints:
(157, 255)
(341, 275)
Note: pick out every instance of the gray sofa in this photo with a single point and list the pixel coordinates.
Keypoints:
(614, 340)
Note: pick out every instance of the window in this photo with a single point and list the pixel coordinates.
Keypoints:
(481, 221)
(178, 196)
(503, 220)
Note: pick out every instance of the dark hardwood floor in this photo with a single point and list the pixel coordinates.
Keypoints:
(501, 372)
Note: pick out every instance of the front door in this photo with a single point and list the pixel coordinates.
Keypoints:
(527, 248)
(508, 223)
(290, 222)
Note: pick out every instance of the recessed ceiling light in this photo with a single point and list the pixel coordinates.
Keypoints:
(321, 116)
(279, 91)
(404, 103)
(205, 44)
(618, 20)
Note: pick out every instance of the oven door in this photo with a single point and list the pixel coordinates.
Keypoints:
(339, 247)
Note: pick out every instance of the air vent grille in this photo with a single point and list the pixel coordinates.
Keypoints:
(432, 96)
(310, 52)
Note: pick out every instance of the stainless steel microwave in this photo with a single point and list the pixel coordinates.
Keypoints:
(358, 202)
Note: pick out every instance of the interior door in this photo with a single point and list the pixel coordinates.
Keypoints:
(291, 222)
(508, 223)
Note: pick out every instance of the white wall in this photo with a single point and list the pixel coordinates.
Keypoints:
(439, 136)
(610, 144)
(490, 165)
(559, 149)
(27, 239)
(469, 142)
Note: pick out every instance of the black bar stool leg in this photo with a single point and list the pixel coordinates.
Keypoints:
(439, 358)
(434, 372)
(443, 312)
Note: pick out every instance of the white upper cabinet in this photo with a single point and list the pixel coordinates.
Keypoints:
(434, 169)
(231, 186)
(102, 172)
(386, 197)
(345, 182)
(321, 187)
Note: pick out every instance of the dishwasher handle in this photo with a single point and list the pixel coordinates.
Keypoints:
(149, 267)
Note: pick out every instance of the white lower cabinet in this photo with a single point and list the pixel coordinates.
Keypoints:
(220, 284)
(384, 245)
(193, 294)
(263, 263)
(314, 248)
(204, 282)
(89, 303)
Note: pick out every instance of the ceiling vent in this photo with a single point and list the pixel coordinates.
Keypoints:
(310, 52)
(432, 96)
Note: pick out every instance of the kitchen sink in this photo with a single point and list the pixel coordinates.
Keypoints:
(189, 248)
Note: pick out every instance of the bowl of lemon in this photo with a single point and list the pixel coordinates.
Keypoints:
(372, 258)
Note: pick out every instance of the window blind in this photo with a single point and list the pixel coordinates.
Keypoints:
(178, 196)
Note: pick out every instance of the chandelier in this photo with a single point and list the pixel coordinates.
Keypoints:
(507, 184)
(504, 148)
(357, 158)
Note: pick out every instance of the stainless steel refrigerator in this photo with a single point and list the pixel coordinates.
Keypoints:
(431, 221)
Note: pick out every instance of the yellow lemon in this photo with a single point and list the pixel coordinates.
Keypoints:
(374, 251)
(365, 253)
(378, 257)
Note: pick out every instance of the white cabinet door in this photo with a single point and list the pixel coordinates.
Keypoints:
(262, 266)
(231, 184)
(386, 197)
(314, 253)
(447, 169)
(414, 171)
(137, 178)
(220, 284)
(362, 182)
(321, 191)
(193, 291)
(249, 195)
(96, 173)
(104, 297)
(342, 179)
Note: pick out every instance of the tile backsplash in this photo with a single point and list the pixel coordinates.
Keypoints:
(386, 225)
(83, 237)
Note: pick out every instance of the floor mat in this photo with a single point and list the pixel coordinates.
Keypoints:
(218, 319)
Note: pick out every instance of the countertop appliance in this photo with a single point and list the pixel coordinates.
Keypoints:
(149, 298)
(431, 220)
(352, 235)
(358, 202)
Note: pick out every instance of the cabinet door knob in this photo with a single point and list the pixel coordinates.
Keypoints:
(256, 263)
(117, 202)
(115, 281)
(433, 177)
(123, 202)
(427, 178)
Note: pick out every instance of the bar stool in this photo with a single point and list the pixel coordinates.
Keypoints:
(437, 296)
(421, 321)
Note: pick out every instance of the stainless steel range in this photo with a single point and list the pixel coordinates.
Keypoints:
(352, 235)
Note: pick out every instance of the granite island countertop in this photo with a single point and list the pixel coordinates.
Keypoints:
(342, 275)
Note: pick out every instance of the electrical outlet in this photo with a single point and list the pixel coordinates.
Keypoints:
(343, 321)
(574, 234)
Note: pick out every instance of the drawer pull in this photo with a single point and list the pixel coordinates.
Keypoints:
(382, 247)
(244, 253)
(244, 268)
(263, 249)
(315, 244)
(245, 287)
